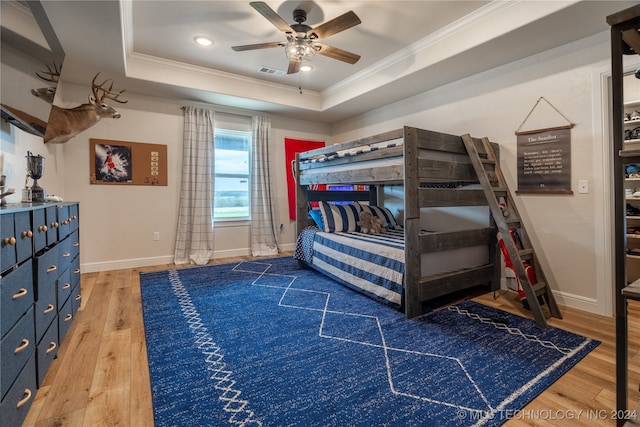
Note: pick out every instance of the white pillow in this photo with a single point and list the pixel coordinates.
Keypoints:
(339, 217)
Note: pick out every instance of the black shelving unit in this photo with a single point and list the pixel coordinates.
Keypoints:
(625, 40)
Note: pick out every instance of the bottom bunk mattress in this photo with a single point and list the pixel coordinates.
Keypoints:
(373, 264)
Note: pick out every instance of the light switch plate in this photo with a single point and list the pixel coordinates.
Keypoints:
(583, 186)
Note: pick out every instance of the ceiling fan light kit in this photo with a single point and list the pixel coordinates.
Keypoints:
(301, 42)
(300, 49)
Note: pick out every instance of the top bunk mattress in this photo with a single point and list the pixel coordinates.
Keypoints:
(374, 163)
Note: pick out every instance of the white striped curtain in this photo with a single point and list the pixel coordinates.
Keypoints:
(194, 239)
(264, 238)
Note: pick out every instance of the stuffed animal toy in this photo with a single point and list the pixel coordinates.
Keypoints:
(365, 222)
(376, 226)
(370, 224)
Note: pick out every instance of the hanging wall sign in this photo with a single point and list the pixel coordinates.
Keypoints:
(544, 158)
(544, 162)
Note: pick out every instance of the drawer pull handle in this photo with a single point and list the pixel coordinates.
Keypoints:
(52, 346)
(52, 269)
(78, 298)
(22, 292)
(76, 244)
(76, 271)
(9, 241)
(49, 309)
(42, 228)
(68, 317)
(66, 254)
(24, 344)
(28, 234)
(66, 286)
(25, 399)
(54, 224)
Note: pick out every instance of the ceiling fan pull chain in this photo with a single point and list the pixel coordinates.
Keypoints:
(300, 83)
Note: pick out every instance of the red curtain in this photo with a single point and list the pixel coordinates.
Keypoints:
(291, 147)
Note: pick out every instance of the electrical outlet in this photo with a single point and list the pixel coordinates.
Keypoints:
(156, 235)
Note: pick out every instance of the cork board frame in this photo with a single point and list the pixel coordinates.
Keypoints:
(127, 163)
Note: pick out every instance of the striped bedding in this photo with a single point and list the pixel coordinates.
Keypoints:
(370, 264)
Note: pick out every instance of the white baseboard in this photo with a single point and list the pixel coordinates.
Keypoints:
(94, 267)
(581, 303)
(574, 301)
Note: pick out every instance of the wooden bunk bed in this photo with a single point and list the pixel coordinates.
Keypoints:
(418, 162)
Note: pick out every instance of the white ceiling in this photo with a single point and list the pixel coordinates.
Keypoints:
(407, 47)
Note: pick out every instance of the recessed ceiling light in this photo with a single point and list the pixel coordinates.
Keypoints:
(306, 67)
(203, 40)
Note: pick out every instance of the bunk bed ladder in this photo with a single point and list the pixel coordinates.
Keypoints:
(507, 219)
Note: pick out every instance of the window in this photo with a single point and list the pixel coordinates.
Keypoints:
(232, 187)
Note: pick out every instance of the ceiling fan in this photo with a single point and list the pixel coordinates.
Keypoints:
(302, 39)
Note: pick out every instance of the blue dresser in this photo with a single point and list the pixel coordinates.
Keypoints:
(39, 297)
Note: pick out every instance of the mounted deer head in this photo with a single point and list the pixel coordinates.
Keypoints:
(47, 94)
(65, 123)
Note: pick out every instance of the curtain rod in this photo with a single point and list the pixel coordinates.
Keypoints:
(222, 112)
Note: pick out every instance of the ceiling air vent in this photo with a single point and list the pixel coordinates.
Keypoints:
(271, 71)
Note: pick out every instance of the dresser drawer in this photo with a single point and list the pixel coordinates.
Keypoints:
(24, 235)
(76, 298)
(51, 216)
(15, 405)
(65, 317)
(39, 226)
(46, 311)
(74, 241)
(46, 351)
(75, 271)
(15, 350)
(16, 295)
(74, 214)
(7, 242)
(64, 254)
(64, 221)
(64, 288)
(46, 268)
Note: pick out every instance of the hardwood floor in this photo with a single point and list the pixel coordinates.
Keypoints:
(101, 377)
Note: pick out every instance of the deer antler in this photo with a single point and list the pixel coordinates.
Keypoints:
(54, 75)
(106, 93)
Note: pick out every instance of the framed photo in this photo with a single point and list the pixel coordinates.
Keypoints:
(127, 163)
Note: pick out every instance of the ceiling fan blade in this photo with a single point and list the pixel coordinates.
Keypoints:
(272, 16)
(257, 46)
(294, 66)
(335, 53)
(341, 23)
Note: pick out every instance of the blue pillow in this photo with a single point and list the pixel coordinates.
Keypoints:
(316, 215)
(340, 217)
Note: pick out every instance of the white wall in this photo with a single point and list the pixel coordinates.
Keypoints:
(571, 234)
(118, 221)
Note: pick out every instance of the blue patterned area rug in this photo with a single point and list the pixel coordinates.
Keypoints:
(264, 343)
